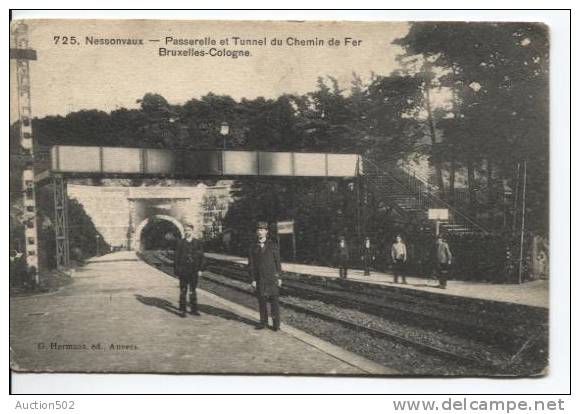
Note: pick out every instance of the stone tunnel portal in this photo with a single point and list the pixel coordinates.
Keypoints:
(159, 233)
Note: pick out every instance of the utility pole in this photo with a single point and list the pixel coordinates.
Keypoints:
(522, 230)
(361, 202)
(22, 54)
(358, 215)
(515, 206)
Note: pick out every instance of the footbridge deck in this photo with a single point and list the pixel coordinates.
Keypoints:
(147, 162)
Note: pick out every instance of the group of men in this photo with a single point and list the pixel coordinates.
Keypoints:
(264, 268)
(442, 258)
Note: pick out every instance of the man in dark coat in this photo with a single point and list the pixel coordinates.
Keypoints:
(342, 257)
(189, 264)
(265, 269)
(442, 257)
(367, 256)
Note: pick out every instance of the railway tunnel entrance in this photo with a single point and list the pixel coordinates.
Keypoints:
(159, 233)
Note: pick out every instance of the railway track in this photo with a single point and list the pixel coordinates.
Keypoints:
(495, 324)
(357, 327)
(408, 310)
(402, 322)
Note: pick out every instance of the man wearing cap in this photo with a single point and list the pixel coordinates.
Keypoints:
(265, 269)
(442, 258)
(189, 264)
(342, 257)
(367, 256)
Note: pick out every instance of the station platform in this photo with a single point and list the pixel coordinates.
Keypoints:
(121, 315)
(533, 293)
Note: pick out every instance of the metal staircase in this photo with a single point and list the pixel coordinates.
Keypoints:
(412, 196)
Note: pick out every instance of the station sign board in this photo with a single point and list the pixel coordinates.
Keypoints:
(438, 214)
(285, 227)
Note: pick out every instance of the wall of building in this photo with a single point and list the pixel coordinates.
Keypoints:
(117, 211)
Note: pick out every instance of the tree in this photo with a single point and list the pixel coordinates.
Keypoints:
(391, 128)
(497, 74)
(158, 130)
(203, 117)
(271, 124)
(325, 119)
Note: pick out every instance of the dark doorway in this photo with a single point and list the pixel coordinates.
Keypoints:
(159, 234)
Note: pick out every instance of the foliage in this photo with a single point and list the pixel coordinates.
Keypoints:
(498, 77)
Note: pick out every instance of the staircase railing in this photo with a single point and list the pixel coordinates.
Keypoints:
(425, 193)
(411, 175)
(460, 196)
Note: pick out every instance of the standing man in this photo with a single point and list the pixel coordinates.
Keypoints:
(399, 257)
(443, 259)
(367, 256)
(265, 269)
(342, 257)
(189, 264)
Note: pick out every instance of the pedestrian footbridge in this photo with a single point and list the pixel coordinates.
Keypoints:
(148, 162)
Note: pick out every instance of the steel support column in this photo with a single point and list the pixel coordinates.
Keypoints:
(61, 221)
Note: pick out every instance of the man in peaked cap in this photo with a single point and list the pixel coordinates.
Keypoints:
(189, 264)
(265, 269)
(442, 260)
(342, 257)
(367, 256)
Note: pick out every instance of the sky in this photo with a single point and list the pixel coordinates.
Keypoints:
(67, 78)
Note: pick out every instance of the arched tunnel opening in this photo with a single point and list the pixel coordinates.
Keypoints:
(159, 234)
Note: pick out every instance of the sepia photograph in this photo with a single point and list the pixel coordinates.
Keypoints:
(304, 198)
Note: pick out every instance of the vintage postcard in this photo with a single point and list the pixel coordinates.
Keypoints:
(279, 197)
